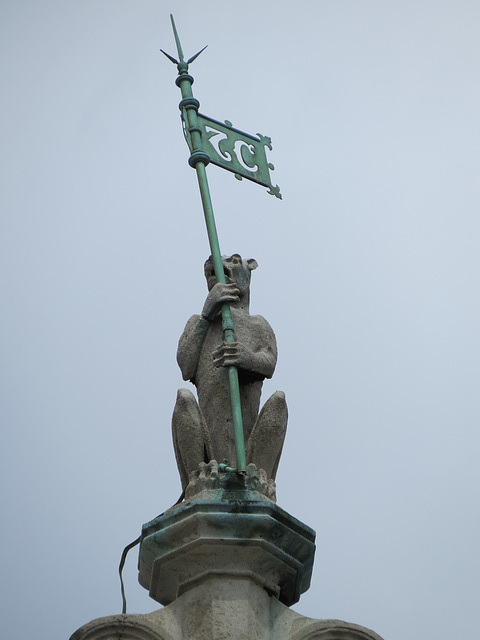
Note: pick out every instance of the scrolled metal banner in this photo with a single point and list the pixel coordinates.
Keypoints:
(241, 153)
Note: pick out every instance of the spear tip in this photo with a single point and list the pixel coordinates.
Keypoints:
(177, 39)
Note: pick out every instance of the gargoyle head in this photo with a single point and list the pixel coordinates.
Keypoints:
(236, 270)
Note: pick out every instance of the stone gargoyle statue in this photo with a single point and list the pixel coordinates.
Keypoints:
(203, 431)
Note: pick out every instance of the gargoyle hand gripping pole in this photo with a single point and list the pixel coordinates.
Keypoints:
(199, 160)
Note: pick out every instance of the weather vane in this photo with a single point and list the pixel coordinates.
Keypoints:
(221, 144)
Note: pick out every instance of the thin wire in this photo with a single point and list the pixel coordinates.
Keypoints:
(131, 546)
(120, 569)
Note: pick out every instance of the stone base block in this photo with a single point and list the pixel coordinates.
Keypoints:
(237, 536)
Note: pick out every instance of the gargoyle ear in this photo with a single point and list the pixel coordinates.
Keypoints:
(252, 264)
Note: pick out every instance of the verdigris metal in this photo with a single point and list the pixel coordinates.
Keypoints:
(252, 153)
(241, 153)
(203, 431)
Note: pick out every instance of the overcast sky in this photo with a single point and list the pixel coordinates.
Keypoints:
(369, 273)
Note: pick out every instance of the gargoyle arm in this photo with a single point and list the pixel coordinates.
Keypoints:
(190, 345)
(259, 357)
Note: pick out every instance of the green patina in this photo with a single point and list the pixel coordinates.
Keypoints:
(245, 156)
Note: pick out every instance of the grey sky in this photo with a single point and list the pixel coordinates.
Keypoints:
(368, 271)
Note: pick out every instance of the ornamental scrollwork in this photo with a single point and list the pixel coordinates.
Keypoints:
(241, 153)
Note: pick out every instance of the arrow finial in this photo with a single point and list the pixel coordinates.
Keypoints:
(181, 60)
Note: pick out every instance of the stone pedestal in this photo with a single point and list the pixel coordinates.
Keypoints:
(227, 563)
(240, 536)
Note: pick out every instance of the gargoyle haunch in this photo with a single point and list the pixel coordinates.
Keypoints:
(203, 431)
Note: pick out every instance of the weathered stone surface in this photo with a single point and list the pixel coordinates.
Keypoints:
(204, 431)
(208, 481)
(332, 630)
(124, 627)
(228, 563)
(236, 610)
(235, 533)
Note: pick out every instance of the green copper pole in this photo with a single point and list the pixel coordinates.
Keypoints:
(199, 160)
(227, 321)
